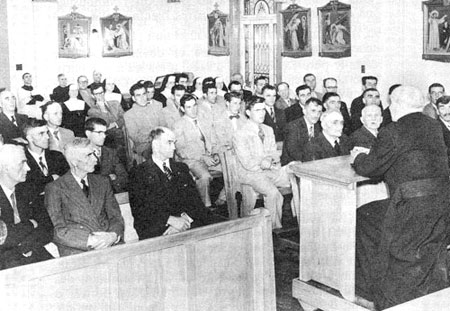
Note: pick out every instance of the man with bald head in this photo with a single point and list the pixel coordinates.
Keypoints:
(331, 142)
(10, 121)
(24, 228)
(81, 205)
(371, 119)
(401, 241)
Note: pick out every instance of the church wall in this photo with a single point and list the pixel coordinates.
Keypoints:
(4, 45)
(167, 37)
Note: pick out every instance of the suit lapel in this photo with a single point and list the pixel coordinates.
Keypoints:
(74, 191)
(6, 210)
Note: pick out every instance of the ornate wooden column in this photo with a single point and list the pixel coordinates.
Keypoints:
(235, 36)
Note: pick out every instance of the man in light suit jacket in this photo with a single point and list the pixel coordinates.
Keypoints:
(259, 161)
(194, 145)
(24, 228)
(82, 206)
(331, 142)
(211, 106)
(52, 113)
(230, 122)
(108, 161)
(284, 99)
(300, 133)
(10, 121)
(171, 113)
(112, 112)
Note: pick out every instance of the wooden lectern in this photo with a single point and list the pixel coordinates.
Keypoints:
(330, 193)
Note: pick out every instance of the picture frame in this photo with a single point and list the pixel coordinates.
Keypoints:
(117, 36)
(296, 31)
(436, 30)
(73, 35)
(335, 30)
(218, 33)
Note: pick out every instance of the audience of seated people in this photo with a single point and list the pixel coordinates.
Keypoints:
(80, 212)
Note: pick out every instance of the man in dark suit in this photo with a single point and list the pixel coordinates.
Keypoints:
(236, 86)
(60, 93)
(10, 121)
(163, 196)
(443, 111)
(300, 133)
(368, 82)
(24, 228)
(370, 97)
(82, 206)
(401, 241)
(331, 142)
(366, 135)
(332, 100)
(296, 110)
(275, 118)
(108, 162)
(45, 165)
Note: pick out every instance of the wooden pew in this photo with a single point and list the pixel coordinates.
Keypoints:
(226, 266)
(437, 301)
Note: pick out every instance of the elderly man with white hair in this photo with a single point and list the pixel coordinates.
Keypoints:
(24, 228)
(10, 121)
(371, 118)
(81, 205)
(401, 241)
(331, 142)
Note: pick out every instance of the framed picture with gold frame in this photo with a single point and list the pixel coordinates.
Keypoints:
(335, 30)
(436, 30)
(73, 35)
(296, 31)
(117, 35)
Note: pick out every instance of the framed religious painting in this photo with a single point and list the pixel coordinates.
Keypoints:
(436, 30)
(116, 35)
(335, 30)
(296, 31)
(73, 35)
(218, 33)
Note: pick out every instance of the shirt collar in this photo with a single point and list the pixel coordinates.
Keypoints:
(37, 156)
(159, 163)
(374, 132)
(330, 139)
(7, 191)
(78, 180)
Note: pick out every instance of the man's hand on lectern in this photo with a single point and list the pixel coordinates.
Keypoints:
(356, 151)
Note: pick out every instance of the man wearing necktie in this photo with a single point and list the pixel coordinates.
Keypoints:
(45, 165)
(227, 124)
(81, 205)
(10, 121)
(275, 118)
(24, 227)
(301, 132)
(163, 197)
(259, 161)
(58, 136)
(195, 145)
(331, 142)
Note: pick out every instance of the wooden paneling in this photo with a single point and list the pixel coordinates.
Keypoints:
(226, 266)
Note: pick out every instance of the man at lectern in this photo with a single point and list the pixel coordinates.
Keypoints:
(401, 241)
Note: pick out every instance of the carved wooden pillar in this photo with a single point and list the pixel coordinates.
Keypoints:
(235, 36)
(278, 43)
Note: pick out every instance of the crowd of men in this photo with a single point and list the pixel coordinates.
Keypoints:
(62, 161)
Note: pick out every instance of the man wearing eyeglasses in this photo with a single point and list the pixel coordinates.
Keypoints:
(108, 162)
(84, 92)
(112, 112)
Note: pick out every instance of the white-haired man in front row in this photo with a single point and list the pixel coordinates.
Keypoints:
(81, 205)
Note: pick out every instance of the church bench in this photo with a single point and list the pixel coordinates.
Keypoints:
(225, 266)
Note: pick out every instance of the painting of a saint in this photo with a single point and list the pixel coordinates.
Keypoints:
(334, 30)
(436, 27)
(296, 31)
(218, 33)
(74, 32)
(116, 35)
